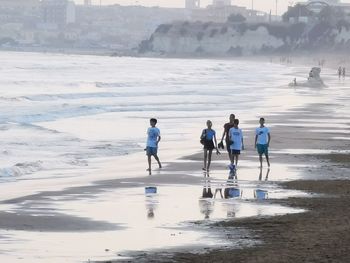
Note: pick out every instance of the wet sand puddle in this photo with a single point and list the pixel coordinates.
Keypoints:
(175, 217)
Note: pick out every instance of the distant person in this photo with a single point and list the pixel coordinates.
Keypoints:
(208, 139)
(340, 72)
(153, 140)
(311, 74)
(262, 141)
(236, 144)
(226, 135)
(344, 72)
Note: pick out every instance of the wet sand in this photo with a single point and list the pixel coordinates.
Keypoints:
(322, 233)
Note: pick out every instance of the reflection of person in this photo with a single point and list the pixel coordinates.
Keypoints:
(226, 135)
(267, 174)
(207, 192)
(236, 137)
(231, 189)
(209, 142)
(262, 141)
(153, 140)
(205, 204)
(151, 205)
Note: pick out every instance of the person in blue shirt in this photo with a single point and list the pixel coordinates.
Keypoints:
(153, 138)
(208, 138)
(262, 141)
(236, 140)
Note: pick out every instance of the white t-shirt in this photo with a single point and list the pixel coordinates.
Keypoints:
(236, 136)
(262, 135)
(153, 134)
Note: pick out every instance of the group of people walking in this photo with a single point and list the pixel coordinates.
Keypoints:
(234, 141)
(232, 135)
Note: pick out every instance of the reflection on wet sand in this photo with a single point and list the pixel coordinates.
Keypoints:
(232, 196)
(259, 193)
(231, 188)
(261, 173)
(151, 201)
(206, 205)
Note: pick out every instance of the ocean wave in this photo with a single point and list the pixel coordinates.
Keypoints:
(20, 169)
(113, 84)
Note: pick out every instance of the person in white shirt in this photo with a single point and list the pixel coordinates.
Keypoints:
(153, 138)
(262, 141)
(236, 142)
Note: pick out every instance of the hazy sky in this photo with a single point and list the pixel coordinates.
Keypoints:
(265, 5)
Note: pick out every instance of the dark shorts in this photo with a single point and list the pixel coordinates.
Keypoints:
(262, 149)
(209, 145)
(151, 150)
(235, 152)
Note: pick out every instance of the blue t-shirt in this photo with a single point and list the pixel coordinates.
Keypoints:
(209, 134)
(262, 134)
(153, 134)
(236, 136)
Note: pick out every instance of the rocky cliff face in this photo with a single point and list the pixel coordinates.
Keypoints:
(236, 39)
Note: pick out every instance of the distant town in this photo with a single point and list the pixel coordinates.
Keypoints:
(64, 26)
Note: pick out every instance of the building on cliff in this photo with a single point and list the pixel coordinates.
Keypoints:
(221, 2)
(58, 12)
(192, 4)
(219, 14)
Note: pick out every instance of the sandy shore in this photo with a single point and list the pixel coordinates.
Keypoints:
(322, 234)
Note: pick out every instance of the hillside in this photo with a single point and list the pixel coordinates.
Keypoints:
(328, 32)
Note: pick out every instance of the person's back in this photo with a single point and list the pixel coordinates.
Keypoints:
(153, 134)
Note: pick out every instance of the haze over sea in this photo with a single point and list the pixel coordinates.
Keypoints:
(61, 112)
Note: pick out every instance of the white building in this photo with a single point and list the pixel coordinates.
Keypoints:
(193, 4)
(330, 2)
(221, 2)
(19, 4)
(57, 12)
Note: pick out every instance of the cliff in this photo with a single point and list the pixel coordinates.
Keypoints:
(237, 39)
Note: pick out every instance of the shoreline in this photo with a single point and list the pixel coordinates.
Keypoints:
(332, 59)
(286, 150)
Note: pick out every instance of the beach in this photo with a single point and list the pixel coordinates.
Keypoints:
(83, 187)
(318, 235)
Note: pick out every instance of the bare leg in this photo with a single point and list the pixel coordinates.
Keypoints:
(260, 174)
(260, 159)
(157, 159)
(209, 159)
(149, 164)
(205, 159)
(232, 158)
(267, 160)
